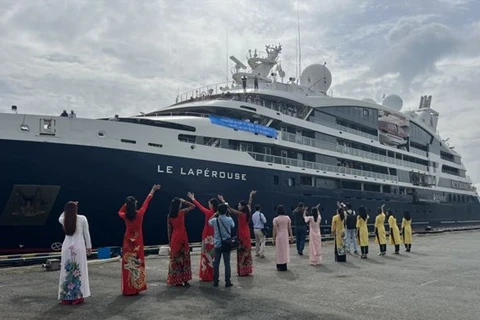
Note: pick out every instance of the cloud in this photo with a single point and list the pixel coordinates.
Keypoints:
(414, 48)
(122, 57)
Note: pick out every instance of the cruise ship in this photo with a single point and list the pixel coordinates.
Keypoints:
(287, 138)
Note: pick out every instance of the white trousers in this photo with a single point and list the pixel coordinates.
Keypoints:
(259, 242)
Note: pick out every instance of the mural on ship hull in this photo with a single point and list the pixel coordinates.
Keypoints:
(29, 205)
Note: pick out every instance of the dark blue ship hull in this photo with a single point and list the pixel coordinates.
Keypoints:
(37, 179)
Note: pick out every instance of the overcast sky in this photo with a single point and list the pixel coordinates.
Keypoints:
(125, 56)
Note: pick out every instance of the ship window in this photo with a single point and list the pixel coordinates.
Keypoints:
(156, 123)
(366, 113)
(246, 147)
(128, 141)
(248, 108)
(291, 182)
(306, 181)
(47, 127)
(275, 180)
(155, 145)
(101, 134)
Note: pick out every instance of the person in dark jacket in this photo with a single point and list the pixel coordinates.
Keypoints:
(351, 226)
(300, 227)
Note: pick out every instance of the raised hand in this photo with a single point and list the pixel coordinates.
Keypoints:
(253, 192)
(220, 197)
(191, 195)
(156, 187)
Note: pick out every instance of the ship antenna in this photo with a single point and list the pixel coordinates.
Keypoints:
(226, 54)
(299, 47)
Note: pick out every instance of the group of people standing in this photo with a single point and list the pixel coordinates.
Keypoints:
(74, 283)
(344, 238)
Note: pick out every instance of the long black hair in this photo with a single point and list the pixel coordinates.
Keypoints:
(315, 214)
(362, 212)
(246, 209)
(406, 215)
(341, 213)
(131, 208)
(281, 210)
(174, 208)
(70, 218)
(390, 213)
(214, 203)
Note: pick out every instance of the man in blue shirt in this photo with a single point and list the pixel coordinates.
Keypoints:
(226, 224)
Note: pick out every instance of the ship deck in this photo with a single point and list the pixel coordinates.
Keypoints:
(437, 280)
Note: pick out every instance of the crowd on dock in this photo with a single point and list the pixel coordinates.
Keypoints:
(348, 230)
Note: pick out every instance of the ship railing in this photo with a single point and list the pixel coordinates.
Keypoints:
(345, 129)
(205, 91)
(319, 166)
(291, 137)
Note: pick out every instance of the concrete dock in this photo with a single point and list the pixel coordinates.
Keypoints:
(439, 279)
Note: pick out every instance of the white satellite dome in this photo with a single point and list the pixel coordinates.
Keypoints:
(316, 77)
(369, 100)
(393, 101)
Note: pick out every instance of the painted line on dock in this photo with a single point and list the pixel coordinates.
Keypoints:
(427, 283)
(368, 300)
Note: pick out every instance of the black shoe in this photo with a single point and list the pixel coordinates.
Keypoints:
(228, 284)
(215, 284)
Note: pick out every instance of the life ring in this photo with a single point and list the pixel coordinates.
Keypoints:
(56, 246)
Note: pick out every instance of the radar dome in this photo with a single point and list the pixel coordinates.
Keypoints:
(369, 100)
(316, 77)
(393, 102)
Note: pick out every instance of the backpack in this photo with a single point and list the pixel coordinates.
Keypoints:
(351, 220)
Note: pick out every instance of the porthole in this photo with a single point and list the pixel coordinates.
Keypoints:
(155, 145)
(24, 128)
(101, 134)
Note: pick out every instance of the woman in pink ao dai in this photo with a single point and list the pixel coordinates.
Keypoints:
(315, 236)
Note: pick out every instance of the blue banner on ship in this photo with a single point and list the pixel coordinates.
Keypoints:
(243, 125)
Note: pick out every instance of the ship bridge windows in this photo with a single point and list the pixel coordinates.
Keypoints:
(47, 127)
(246, 147)
(357, 127)
(186, 138)
(450, 170)
(447, 156)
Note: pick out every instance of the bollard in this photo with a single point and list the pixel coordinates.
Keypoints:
(52, 265)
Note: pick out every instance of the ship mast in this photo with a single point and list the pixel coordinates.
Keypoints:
(299, 48)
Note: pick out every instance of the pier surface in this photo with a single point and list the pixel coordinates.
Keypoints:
(438, 280)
